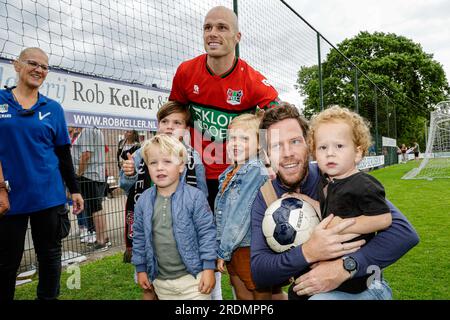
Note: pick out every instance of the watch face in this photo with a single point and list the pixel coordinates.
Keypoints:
(349, 264)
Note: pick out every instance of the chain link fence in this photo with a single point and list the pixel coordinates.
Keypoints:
(143, 42)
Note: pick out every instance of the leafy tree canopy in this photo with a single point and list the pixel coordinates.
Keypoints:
(410, 80)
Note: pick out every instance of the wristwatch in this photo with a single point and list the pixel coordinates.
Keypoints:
(350, 265)
(5, 185)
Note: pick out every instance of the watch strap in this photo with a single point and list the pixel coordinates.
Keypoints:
(352, 272)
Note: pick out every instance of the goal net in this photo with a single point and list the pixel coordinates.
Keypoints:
(436, 161)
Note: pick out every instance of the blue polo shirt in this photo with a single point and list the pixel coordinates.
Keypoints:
(27, 152)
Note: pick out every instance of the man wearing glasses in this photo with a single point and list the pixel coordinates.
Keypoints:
(36, 161)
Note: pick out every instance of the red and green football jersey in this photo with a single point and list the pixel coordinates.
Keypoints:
(215, 100)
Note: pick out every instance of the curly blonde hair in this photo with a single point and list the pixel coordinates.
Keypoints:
(360, 127)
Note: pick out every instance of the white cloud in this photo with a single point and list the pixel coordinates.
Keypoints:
(424, 22)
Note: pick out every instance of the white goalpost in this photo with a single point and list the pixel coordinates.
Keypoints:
(436, 161)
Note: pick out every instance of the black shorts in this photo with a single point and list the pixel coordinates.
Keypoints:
(93, 193)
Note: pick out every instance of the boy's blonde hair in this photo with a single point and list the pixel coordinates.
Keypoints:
(247, 121)
(359, 126)
(167, 144)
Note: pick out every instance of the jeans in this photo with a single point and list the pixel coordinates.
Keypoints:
(85, 222)
(92, 192)
(46, 234)
(378, 290)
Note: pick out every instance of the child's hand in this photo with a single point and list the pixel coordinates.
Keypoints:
(207, 282)
(128, 166)
(143, 281)
(221, 265)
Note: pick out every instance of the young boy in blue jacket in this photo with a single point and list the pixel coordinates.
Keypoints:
(173, 119)
(174, 242)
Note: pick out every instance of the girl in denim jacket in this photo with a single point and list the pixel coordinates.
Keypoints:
(238, 187)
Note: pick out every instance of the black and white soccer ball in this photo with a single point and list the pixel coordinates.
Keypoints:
(288, 222)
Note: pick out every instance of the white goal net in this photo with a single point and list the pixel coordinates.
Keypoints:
(436, 161)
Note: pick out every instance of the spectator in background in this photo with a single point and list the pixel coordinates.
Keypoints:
(372, 150)
(403, 150)
(35, 155)
(88, 153)
(129, 144)
(74, 132)
(416, 150)
(83, 224)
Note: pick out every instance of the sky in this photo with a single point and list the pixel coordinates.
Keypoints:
(426, 22)
(142, 41)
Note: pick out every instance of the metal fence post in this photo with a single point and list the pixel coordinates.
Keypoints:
(356, 91)
(376, 121)
(235, 9)
(320, 72)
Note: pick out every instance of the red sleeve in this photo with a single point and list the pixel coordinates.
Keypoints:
(267, 95)
(177, 93)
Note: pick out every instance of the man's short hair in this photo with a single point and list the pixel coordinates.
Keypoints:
(174, 107)
(282, 112)
(167, 145)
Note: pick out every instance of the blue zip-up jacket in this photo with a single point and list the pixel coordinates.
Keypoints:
(193, 228)
(233, 207)
(270, 268)
(126, 182)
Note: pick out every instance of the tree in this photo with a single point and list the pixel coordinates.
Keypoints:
(411, 83)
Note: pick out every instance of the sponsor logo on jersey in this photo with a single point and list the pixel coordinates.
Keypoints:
(212, 123)
(196, 89)
(43, 116)
(4, 108)
(234, 97)
(266, 82)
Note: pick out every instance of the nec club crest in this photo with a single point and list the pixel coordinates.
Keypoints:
(234, 97)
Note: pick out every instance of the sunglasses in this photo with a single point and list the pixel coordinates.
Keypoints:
(35, 65)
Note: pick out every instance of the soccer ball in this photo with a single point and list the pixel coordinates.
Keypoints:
(288, 222)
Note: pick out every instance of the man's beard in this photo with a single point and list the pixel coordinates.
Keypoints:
(293, 186)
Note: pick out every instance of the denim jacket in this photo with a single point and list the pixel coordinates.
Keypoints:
(126, 182)
(233, 207)
(193, 228)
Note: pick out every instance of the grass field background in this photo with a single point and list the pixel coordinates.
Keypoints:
(423, 273)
